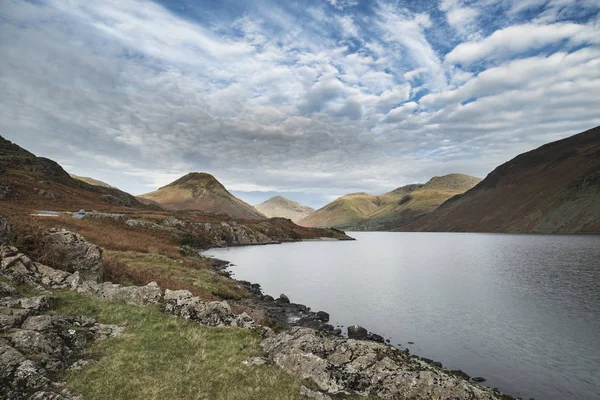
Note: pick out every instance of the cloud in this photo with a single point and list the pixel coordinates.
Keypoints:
(518, 39)
(317, 100)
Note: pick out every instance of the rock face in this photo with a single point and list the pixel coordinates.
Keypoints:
(338, 365)
(37, 347)
(74, 253)
(357, 332)
(21, 269)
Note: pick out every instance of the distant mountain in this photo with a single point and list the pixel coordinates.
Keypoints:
(552, 189)
(32, 182)
(91, 181)
(362, 211)
(202, 192)
(279, 206)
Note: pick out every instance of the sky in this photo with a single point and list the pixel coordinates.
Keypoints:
(312, 99)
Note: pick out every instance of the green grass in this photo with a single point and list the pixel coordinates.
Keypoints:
(165, 357)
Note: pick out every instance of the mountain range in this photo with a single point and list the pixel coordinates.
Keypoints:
(279, 206)
(552, 189)
(362, 211)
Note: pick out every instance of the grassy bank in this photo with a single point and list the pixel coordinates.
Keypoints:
(165, 357)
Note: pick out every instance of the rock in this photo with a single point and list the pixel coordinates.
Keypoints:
(375, 338)
(6, 191)
(72, 251)
(346, 366)
(80, 364)
(135, 295)
(105, 331)
(283, 299)
(255, 361)
(52, 277)
(479, 379)
(357, 332)
(7, 236)
(326, 328)
(323, 316)
(459, 373)
(8, 290)
(311, 394)
(177, 294)
(213, 313)
(411, 342)
(437, 364)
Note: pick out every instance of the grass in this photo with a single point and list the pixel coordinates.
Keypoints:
(165, 357)
(191, 273)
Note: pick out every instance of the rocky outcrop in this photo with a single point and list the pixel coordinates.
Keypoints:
(115, 201)
(338, 365)
(73, 253)
(21, 269)
(7, 236)
(46, 194)
(37, 347)
(212, 313)
(134, 295)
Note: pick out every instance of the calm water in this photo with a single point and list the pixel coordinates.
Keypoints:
(522, 311)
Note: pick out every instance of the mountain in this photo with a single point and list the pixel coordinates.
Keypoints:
(348, 210)
(403, 205)
(28, 181)
(279, 206)
(91, 181)
(202, 192)
(552, 189)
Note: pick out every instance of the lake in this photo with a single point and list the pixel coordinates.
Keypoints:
(523, 311)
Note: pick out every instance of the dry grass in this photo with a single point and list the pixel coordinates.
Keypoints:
(111, 235)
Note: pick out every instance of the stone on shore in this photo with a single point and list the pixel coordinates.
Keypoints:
(357, 332)
(134, 295)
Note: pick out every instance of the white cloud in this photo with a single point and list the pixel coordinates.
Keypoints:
(518, 39)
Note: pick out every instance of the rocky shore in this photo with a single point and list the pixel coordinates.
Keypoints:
(37, 346)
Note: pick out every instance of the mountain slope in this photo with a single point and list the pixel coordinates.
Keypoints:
(552, 189)
(345, 211)
(27, 181)
(202, 192)
(391, 210)
(279, 206)
(91, 181)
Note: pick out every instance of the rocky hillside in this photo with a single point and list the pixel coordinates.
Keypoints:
(40, 183)
(552, 189)
(279, 206)
(91, 181)
(200, 191)
(391, 210)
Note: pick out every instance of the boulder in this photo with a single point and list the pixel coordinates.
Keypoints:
(74, 253)
(7, 236)
(357, 332)
(323, 316)
(134, 295)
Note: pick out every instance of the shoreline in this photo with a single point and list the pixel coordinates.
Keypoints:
(288, 315)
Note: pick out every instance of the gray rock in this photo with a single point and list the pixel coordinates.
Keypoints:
(338, 365)
(357, 332)
(323, 316)
(7, 236)
(46, 194)
(135, 295)
(74, 253)
(177, 295)
(311, 394)
(8, 290)
(283, 299)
